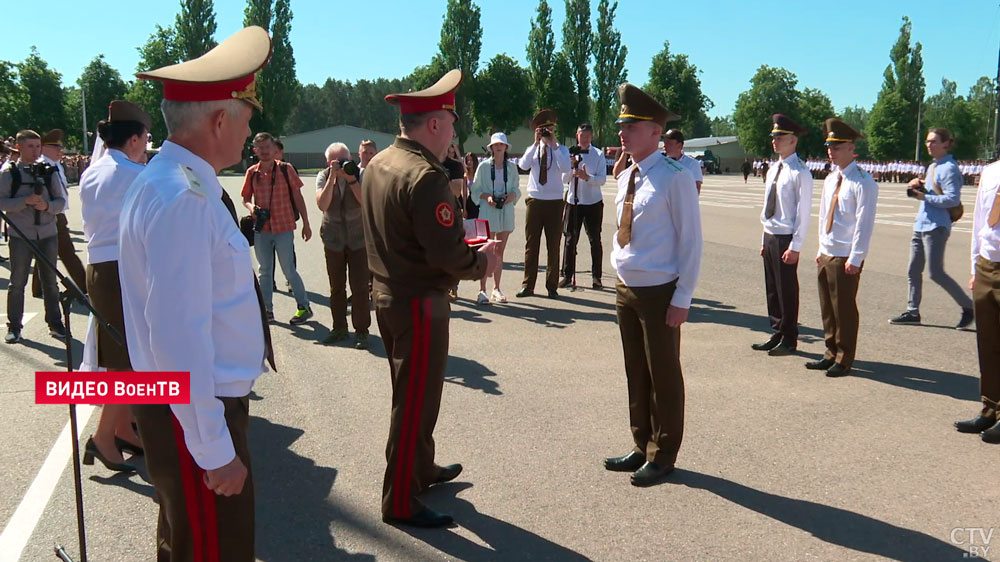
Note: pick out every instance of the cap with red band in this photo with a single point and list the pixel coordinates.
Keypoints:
(440, 96)
(225, 72)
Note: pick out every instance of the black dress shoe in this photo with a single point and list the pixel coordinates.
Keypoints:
(821, 365)
(992, 435)
(977, 424)
(565, 282)
(91, 451)
(553, 294)
(426, 517)
(838, 370)
(768, 345)
(597, 283)
(448, 473)
(524, 292)
(781, 349)
(650, 474)
(967, 317)
(124, 446)
(629, 463)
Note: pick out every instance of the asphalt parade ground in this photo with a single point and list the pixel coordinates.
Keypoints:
(778, 463)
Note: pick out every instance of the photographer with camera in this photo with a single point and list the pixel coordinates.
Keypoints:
(496, 186)
(271, 192)
(338, 195)
(32, 194)
(673, 147)
(584, 205)
(546, 161)
(940, 205)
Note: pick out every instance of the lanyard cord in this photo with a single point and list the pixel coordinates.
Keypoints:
(493, 177)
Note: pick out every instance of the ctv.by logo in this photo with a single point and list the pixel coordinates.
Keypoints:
(975, 539)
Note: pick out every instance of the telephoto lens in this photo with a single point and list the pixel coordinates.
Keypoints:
(350, 166)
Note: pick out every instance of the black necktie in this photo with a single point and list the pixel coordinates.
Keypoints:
(228, 202)
(772, 195)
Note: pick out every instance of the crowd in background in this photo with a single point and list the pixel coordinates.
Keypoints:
(898, 171)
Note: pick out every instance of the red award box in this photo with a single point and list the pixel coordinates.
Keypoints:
(477, 231)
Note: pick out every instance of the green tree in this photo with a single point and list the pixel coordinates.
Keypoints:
(723, 126)
(982, 101)
(310, 112)
(560, 95)
(423, 76)
(609, 71)
(73, 106)
(541, 51)
(461, 42)
(195, 28)
(45, 109)
(949, 110)
(772, 90)
(856, 117)
(577, 46)
(814, 108)
(277, 83)
(159, 50)
(259, 13)
(13, 99)
(894, 136)
(504, 98)
(100, 84)
(674, 82)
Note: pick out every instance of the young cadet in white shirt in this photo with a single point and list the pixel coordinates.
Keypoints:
(546, 161)
(985, 285)
(192, 304)
(788, 195)
(846, 221)
(673, 147)
(584, 207)
(657, 254)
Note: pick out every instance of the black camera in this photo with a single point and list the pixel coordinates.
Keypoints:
(577, 151)
(545, 133)
(39, 170)
(499, 200)
(913, 191)
(263, 215)
(350, 167)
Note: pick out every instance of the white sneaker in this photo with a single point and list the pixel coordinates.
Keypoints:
(482, 298)
(498, 296)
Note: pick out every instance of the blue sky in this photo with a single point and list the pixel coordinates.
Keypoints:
(841, 48)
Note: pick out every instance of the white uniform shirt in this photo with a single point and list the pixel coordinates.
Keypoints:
(986, 240)
(666, 228)
(62, 177)
(854, 217)
(102, 189)
(557, 162)
(188, 294)
(589, 191)
(692, 165)
(794, 201)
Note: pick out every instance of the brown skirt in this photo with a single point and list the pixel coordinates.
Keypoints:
(105, 291)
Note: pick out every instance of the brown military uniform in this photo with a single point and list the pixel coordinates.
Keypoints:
(416, 252)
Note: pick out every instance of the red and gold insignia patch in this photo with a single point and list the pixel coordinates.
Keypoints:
(445, 215)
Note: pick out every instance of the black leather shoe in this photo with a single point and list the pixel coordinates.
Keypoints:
(91, 451)
(780, 350)
(992, 435)
(426, 517)
(597, 283)
(977, 424)
(124, 446)
(553, 294)
(768, 345)
(565, 282)
(966, 320)
(524, 292)
(650, 474)
(838, 370)
(448, 473)
(629, 463)
(821, 365)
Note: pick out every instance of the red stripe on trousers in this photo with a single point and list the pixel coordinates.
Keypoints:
(199, 502)
(400, 502)
(421, 383)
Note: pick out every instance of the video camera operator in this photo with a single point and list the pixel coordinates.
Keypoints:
(584, 205)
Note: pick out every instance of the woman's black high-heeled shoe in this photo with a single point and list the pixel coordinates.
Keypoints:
(91, 451)
(124, 446)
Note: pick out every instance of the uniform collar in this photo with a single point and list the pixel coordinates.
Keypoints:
(120, 157)
(945, 158)
(415, 147)
(648, 162)
(850, 168)
(790, 159)
(201, 168)
(47, 160)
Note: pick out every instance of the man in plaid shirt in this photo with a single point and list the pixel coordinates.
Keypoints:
(273, 187)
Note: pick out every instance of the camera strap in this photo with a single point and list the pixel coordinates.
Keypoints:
(493, 177)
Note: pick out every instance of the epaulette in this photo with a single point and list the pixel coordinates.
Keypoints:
(674, 164)
(194, 184)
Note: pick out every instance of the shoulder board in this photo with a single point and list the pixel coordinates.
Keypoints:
(864, 175)
(194, 184)
(673, 164)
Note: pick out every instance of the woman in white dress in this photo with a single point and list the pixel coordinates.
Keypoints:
(496, 188)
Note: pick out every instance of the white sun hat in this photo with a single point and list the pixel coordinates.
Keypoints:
(498, 138)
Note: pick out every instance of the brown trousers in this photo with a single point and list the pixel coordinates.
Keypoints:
(415, 334)
(105, 290)
(542, 216)
(68, 257)
(986, 303)
(195, 524)
(349, 266)
(653, 370)
(838, 306)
